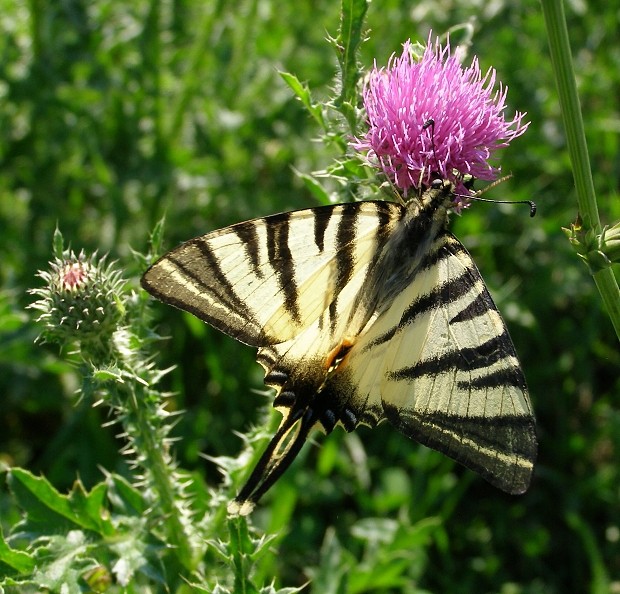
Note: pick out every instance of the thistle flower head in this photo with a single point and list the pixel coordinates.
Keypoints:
(432, 117)
(82, 300)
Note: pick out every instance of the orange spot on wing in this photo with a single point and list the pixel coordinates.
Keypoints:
(337, 356)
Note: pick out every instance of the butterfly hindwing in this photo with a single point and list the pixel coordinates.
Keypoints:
(440, 366)
(460, 388)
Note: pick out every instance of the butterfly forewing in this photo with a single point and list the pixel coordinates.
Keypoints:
(264, 281)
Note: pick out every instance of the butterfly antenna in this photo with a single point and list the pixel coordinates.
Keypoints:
(532, 204)
(476, 196)
(430, 123)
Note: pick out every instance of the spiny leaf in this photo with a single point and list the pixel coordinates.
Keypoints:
(110, 373)
(125, 497)
(62, 563)
(20, 561)
(157, 239)
(45, 505)
(137, 552)
(58, 242)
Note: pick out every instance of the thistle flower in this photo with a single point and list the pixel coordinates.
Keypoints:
(82, 300)
(468, 125)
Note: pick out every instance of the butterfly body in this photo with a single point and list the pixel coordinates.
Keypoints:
(363, 312)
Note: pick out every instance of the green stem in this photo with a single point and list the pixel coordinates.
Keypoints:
(600, 583)
(241, 562)
(157, 465)
(557, 32)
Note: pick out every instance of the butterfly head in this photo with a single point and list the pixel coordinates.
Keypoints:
(439, 199)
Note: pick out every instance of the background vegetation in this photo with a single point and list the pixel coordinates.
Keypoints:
(114, 113)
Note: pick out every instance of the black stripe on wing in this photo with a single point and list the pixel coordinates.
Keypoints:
(499, 378)
(248, 237)
(438, 297)
(281, 260)
(502, 449)
(214, 271)
(206, 279)
(446, 246)
(478, 307)
(322, 216)
(465, 359)
(345, 254)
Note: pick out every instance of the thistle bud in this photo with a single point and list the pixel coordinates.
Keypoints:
(82, 300)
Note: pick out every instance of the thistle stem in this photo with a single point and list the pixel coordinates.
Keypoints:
(153, 458)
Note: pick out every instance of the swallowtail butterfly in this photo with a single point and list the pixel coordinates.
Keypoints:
(363, 312)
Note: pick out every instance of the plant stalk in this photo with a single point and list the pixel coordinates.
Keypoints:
(555, 21)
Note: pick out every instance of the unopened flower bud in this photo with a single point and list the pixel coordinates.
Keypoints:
(82, 300)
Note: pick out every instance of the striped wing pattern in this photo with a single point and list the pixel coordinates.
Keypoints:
(264, 281)
(363, 312)
(440, 366)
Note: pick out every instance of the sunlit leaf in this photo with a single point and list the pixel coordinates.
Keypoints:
(44, 505)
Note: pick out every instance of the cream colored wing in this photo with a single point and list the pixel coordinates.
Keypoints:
(265, 281)
(440, 366)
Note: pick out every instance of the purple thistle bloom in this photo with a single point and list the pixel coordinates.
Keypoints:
(468, 128)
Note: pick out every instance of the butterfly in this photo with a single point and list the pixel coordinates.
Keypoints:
(363, 312)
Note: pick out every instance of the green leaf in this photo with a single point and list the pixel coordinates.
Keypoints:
(331, 575)
(45, 506)
(20, 561)
(303, 93)
(157, 239)
(315, 187)
(124, 497)
(62, 563)
(204, 589)
(394, 553)
(137, 552)
(58, 243)
(261, 546)
(105, 374)
(351, 169)
(272, 590)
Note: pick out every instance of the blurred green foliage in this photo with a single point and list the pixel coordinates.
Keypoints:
(113, 113)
